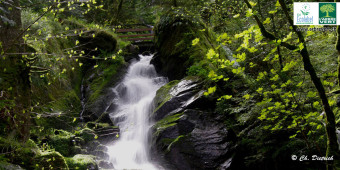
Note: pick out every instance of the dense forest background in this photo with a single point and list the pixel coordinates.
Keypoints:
(274, 87)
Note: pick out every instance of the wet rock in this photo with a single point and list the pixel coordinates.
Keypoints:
(146, 53)
(194, 141)
(131, 52)
(8, 166)
(186, 133)
(178, 96)
(101, 154)
(97, 109)
(105, 132)
(99, 94)
(105, 165)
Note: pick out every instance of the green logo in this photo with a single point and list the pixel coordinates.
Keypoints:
(327, 13)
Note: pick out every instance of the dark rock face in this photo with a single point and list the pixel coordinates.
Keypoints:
(102, 41)
(100, 108)
(173, 36)
(132, 52)
(186, 135)
(182, 95)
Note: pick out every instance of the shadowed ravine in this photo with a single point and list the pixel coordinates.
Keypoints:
(134, 105)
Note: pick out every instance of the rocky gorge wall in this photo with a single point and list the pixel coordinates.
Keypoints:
(188, 133)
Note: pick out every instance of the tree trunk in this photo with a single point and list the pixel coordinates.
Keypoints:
(337, 46)
(120, 6)
(14, 71)
(174, 3)
(332, 141)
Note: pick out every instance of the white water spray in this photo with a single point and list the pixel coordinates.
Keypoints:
(135, 95)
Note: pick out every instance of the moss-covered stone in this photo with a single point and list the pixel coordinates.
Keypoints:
(98, 82)
(86, 134)
(9, 166)
(102, 40)
(163, 94)
(50, 160)
(97, 125)
(166, 123)
(107, 73)
(173, 142)
(63, 142)
(81, 161)
(173, 39)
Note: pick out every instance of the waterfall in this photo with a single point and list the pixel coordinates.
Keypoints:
(230, 55)
(134, 105)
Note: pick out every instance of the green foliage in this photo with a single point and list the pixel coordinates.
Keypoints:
(18, 153)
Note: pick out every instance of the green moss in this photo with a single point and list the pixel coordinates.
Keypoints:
(50, 160)
(86, 134)
(19, 153)
(163, 94)
(60, 113)
(108, 71)
(62, 142)
(166, 122)
(95, 125)
(82, 162)
(70, 100)
(173, 142)
(173, 39)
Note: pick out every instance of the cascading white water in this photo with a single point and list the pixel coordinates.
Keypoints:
(135, 95)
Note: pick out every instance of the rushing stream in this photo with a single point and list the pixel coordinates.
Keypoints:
(134, 105)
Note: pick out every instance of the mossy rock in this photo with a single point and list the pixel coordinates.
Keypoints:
(21, 154)
(50, 160)
(80, 161)
(63, 142)
(98, 91)
(97, 125)
(163, 94)
(165, 123)
(86, 134)
(173, 40)
(9, 166)
(101, 40)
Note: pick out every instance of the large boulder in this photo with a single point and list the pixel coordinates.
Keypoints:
(173, 42)
(64, 142)
(81, 161)
(50, 160)
(186, 133)
(177, 96)
(97, 90)
(100, 40)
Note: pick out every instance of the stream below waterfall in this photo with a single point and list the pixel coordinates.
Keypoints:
(135, 94)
